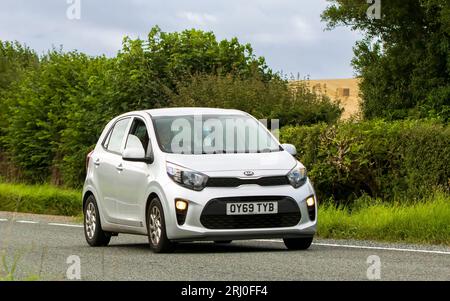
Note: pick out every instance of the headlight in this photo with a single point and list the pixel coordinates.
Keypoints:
(187, 178)
(297, 176)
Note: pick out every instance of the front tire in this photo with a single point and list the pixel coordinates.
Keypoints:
(93, 232)
(298, 243)
(156, 228)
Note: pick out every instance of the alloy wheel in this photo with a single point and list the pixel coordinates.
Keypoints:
(91, 221)
(155, 225)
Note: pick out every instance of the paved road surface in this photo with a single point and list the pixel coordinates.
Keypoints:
(45, 243)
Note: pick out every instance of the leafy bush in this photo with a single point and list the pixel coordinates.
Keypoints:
(389, 160)
(40, 110)
(15, 60)
(43, 199)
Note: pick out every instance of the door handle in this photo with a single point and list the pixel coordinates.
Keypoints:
(97, 162)
(119, 167)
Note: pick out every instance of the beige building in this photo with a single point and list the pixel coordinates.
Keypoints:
(345, 90)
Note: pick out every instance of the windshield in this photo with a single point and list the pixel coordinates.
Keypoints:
(212, 134)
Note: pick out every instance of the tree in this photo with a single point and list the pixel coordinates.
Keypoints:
(146, 73)
(174, 56)
(404, 59)
(14, 59)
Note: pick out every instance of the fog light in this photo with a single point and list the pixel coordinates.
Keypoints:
(181, 205)
(181, 208)
(310, 201)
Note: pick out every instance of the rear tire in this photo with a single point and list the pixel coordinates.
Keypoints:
(156, 228)
(298, 243)
(93, 232)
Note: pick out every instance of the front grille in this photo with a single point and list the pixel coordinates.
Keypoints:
(214, 214)
(235, 182)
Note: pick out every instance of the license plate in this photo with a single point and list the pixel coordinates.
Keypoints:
(252, 208)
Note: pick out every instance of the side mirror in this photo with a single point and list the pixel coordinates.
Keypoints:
(134, 150)
(290, 149)
(134, 154)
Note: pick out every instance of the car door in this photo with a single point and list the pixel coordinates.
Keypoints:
(135, 178)
(108, 168)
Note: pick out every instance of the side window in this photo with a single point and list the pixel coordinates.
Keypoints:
(117, 135)
(139, 129)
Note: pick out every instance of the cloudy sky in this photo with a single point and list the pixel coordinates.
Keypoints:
(288, 33)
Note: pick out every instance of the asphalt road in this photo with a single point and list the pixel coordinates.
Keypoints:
(45, 243)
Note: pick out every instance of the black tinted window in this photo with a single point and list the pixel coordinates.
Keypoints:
(139, 129)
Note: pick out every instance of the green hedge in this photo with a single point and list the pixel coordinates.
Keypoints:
(42, 199)
(52, 114)
(390, 160)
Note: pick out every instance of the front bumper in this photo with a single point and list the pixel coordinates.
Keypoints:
(193, 229)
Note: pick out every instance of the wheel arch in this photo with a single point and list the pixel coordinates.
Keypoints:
(86, 195)
(150, 197)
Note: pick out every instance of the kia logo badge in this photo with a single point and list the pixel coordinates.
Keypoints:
(249, 173)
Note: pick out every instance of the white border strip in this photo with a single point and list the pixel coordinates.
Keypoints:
(66, 225)
(369, 247)
(3, 219)
(382, 248)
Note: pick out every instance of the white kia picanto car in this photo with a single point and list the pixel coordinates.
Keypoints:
(188, 174)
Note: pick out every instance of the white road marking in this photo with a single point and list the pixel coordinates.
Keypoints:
(279, 241)
(26, 222)
(367, 247)
(51, 224)
(66, 225)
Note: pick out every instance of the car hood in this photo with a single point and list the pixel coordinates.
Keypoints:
(234, 164)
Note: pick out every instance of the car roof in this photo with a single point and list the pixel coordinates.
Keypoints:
(193, 111)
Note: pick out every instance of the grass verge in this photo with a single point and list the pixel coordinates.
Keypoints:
(39, 199)
(427, 221)
(8, 272)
